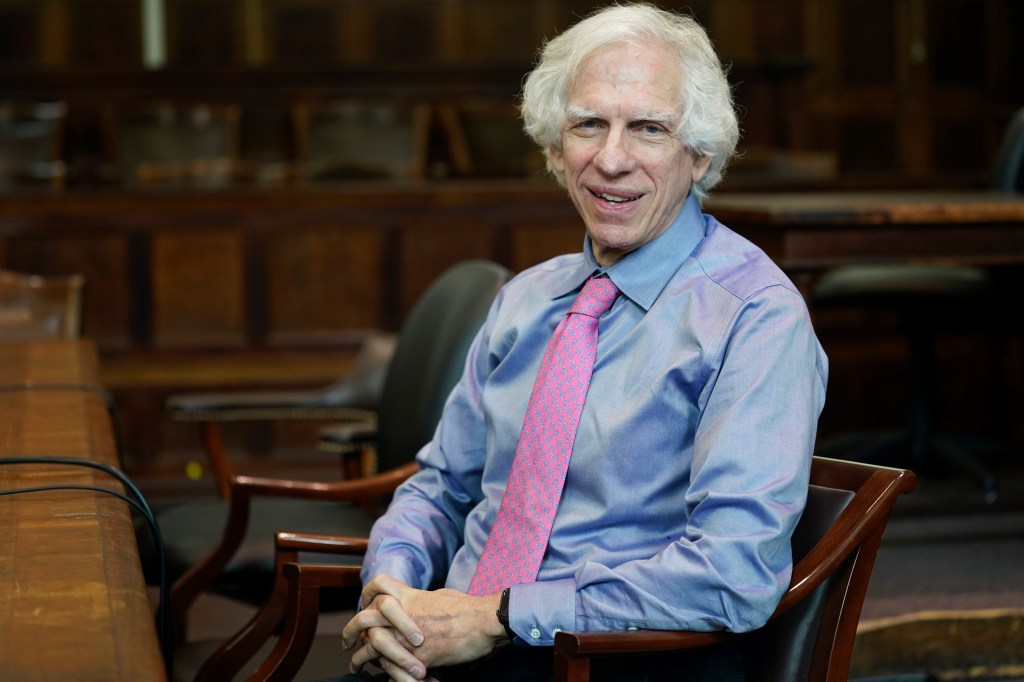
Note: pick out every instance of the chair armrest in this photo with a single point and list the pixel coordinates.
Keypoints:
(346, 437)
(356, 489)
(304, 582)
(262, 406)
(636, 641)
(353, 397)
(324, 544)
(293, 600)
(243, 488)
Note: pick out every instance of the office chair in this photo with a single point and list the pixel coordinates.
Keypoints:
(486, 139)
(928, 298)
(40, 306)
(173, 144)
(31, 144)
(427, 361)
(352, 138)
(809, 637)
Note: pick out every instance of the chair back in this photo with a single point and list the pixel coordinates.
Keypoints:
(31, 144)
(430, 357)
(39, 307)
(485, 138)
(174, 144)
(834, 549)
(1008, 171)
(360, 139)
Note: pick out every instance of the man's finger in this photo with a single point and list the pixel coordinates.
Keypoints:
(385, 646)
(360, 623)
(399, 619)
(382, 584)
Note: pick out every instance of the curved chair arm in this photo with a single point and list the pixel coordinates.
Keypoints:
(187, 588)
(858, 529)
(234, 653)
(303, 607)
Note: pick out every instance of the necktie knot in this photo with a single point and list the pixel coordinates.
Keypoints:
(597, 297)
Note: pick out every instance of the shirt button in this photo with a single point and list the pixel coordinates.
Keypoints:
(535, 633)
(631, 628)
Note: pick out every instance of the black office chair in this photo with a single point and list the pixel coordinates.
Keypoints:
(929, 298)
(427, 362)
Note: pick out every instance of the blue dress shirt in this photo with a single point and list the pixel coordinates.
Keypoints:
(691, 462)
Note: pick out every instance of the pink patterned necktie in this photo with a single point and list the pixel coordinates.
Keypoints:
(517, 542)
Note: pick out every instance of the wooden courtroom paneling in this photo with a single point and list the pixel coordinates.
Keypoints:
(322, 282)
(429, 248)
(199, 292)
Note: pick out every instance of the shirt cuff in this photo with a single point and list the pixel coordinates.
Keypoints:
(538, 610)
(397, 567)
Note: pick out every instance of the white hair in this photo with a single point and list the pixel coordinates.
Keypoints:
(708, 125)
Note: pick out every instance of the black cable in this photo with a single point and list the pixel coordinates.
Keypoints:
(139, 503)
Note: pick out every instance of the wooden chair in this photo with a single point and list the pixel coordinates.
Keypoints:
(428, 360)
(37, 306)
(360, 139)
(486, 139)
(809, 637)
(31, 144)
(173, 144)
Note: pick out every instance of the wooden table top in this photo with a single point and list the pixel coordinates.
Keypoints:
(817, 230)
(71, 585)
(869, 208)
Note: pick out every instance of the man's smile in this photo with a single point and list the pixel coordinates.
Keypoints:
(615, 198)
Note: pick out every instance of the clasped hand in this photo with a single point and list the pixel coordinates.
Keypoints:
(405, 631)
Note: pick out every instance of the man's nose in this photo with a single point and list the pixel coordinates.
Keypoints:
(614, 157)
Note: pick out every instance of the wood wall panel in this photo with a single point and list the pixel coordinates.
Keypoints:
(323, 285)
(199, 293)
(424, 252)
(533, 243)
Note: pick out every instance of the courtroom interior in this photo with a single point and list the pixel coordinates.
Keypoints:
(234, 211)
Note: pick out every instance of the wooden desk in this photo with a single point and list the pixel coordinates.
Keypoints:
(816, 230)
(74, 604)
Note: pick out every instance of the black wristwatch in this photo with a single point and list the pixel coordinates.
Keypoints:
(502, 614)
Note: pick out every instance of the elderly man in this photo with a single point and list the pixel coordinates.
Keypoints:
(651, 478)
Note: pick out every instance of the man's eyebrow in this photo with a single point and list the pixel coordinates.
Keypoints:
(578, 113)
(666, 118)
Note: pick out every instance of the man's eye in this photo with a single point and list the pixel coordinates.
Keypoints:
(651, 128)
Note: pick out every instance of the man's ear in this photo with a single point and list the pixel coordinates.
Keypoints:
(700, 166)
(557, 160)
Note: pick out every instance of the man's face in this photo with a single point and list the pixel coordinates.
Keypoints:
(625, 169)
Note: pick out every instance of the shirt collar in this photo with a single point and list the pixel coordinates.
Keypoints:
(644, 273)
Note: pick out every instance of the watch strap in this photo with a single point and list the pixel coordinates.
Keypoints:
(503, 616)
